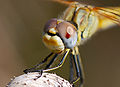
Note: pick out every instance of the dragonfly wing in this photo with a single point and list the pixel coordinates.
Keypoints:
(64, 1)
(105, 23)
(108, 16)
(69, 2)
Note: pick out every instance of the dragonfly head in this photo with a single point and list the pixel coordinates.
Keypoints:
(59, 34)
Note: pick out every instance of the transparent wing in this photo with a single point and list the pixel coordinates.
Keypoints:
(68, 2)
(108, 15)
(64, 1)
(112, 13)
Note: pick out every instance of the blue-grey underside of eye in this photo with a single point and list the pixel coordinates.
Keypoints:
(71, 42)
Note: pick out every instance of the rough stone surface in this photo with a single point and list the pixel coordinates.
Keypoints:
(36, 80)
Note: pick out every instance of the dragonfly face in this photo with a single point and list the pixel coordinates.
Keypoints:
(59, 34)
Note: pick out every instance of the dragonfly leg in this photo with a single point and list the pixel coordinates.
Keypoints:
(78, 67)
(81, 71)
(71, 68)
(52, 60)
(61, 62)
(71, 77)
(36, 66)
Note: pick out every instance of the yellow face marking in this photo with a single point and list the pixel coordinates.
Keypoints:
(50, 40)
(54, 43)
(52, 30)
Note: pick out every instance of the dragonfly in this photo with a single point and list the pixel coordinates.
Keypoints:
(65, 34)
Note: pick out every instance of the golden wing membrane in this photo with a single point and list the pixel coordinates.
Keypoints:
(64, 1)
(108, 16)
(69, 2)
(112, 13)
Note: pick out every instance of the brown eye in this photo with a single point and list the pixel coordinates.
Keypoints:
(66, 29)
(50, 24)
(68, 33)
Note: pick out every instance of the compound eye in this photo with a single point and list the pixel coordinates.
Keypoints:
(50, 24)
(69, 32)
(66, 30)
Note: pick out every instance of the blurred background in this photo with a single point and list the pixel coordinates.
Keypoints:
(21, 47)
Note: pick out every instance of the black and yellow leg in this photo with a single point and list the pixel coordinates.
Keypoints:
(78, 66)
(52, 60)
(36, 66)
(61, 63)
(48, 65)
(46, 68)
(71, 68)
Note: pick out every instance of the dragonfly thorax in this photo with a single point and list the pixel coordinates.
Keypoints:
(59, 35)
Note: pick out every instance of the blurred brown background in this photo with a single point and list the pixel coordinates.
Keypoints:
(21, 24)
